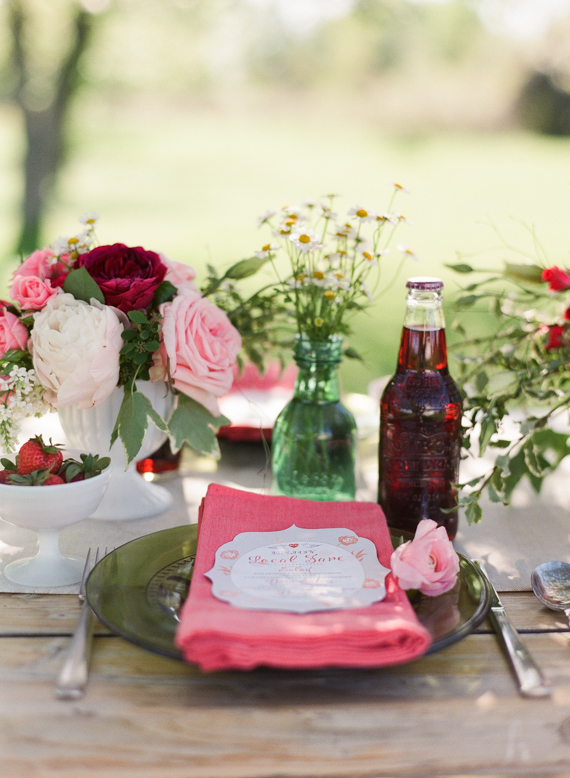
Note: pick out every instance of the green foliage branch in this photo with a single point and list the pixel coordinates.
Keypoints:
(519, 370)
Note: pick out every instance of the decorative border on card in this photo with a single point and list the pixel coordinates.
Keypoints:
(298, 570)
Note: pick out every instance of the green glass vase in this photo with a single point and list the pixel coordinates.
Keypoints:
(314, 437)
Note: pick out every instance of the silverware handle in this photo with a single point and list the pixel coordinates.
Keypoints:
(73, 676)
(530, 679)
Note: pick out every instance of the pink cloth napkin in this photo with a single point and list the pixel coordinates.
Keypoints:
(217, 635)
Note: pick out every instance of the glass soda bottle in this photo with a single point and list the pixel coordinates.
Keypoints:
(420, 419)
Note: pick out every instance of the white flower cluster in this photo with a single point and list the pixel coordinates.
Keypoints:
(78, 244)
(21, 395)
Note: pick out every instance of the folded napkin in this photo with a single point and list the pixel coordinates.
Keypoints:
(217, 635)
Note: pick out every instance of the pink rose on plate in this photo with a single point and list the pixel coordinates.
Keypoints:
(44, 264)
(428, 562)
(200, 346)
(13, 334)
(178, 274)
(31, 293)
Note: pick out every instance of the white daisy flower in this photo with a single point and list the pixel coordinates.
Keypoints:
(407, 251)
(399, 187)
(61, 246)
(318, 278)
(367, 292)
(327, 212)
(89, 219)
(371, 259)
(362, 214)
(264, 218)
(345, 231)
(305, 240)
(266, 250)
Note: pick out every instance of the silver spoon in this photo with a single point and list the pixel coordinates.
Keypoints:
(551, 583)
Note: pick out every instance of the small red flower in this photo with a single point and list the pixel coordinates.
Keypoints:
(555, 340)
(558, 279)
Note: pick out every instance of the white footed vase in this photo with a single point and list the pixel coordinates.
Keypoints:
(128, 495)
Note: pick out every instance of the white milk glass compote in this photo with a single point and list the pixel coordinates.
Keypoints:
(46, 510)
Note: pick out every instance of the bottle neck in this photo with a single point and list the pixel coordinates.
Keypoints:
(423, 345)
(317, 380)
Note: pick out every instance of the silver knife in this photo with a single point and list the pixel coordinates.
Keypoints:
(530, 680)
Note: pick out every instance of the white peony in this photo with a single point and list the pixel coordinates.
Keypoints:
(75, 348)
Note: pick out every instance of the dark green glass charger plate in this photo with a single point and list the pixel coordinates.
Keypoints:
(137, 591)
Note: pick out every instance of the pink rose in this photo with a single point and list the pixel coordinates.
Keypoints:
(428, 562)
(44, 264)
(31, 293)
(178, 274)
(13, 334)
(558, 279)
(200, 345)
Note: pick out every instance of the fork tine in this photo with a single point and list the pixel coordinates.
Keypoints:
(85, 575)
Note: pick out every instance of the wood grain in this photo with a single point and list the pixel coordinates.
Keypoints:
(454, 713)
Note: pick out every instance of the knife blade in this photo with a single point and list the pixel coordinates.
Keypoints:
(530, 680)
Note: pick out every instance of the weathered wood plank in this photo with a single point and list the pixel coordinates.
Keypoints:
(56, 614)
(452, 713)
(40, 614)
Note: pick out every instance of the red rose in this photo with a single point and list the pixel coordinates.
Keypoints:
(128, 277)
(558, 279)
(555, 340)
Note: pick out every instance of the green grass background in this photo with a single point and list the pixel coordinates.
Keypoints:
(191, 183)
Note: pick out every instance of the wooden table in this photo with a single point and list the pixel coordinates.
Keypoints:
(455, 713)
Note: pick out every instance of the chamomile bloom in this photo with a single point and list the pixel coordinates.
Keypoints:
(407, 251)
(318, 278)
(345, 231)
(370, 258)
(266, 250)
(318, 322)
(89, 219)
(265, 217)
(61, 246)
(400, 188)
(361, 214)
(305, 241)
(328, 213)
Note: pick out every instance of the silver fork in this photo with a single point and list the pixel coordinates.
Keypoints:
(72, 679)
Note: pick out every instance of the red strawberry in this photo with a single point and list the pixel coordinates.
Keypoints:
(5, 476)
(78, 477)
(53, 480)
(37, 455)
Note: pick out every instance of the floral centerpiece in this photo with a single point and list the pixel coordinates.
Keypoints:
(331, 270)
(516, 377)
(84, 319)
(333, 265)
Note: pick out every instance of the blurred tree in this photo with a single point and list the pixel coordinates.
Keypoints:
(43, 88)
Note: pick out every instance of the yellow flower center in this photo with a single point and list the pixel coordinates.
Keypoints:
(72, 241)
(338, 274)
(267, 247)
(361, 213)
(319, 322)
(367, 256)
(290, 222)
(318, 274)
(330, 295)
(286, 231)
(300, 277)
(304, 239)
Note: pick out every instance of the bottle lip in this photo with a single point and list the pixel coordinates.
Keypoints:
(425, 283)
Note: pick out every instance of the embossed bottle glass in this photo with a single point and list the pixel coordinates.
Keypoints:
(314, 438)
(420, 419)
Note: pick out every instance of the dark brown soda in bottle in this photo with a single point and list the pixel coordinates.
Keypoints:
(420, 420)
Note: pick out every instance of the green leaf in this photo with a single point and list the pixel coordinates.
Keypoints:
(488, 429)
(531, 274)
(138, 317)
(473, 513)
(128, 334)
(461, 268)
(191, 423)
(135, 413)
(165, 292)
(532, 461)
(352, 353)
(467, 300)
(80, 284)
(245, 268)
